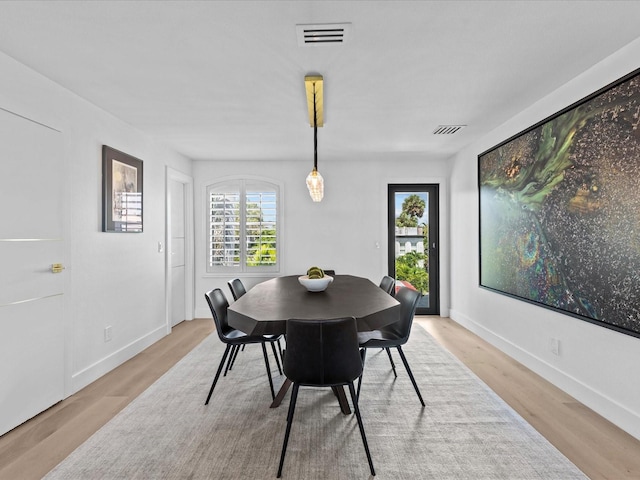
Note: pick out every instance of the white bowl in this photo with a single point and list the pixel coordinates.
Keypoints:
(315, 284)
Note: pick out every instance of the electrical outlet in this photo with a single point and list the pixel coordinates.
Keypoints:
(554, 346)
(107, 333)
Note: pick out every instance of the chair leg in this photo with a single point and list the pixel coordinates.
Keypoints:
(413, 380)
(281, 351)
(215, 380)
(275, 354)
(266, 362)
(363, 355)
(393, 365)
(230, 359)
(235, 355)
(292, 407)
(364, 437)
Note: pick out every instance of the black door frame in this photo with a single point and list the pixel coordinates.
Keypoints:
(433, 190)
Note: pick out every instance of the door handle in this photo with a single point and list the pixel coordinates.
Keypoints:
(57, 268)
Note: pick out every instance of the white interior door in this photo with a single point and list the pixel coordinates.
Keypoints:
(177, 247)
(31, 295)
(179, 261)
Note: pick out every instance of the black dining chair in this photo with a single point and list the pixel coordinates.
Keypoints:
(394, 335)
(388, 284)
(322, 353)
(237, 290)
(233, 337)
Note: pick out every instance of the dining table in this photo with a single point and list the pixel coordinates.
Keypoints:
(265, 309)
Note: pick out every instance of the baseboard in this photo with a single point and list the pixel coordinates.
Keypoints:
(91, 373)
(600, 403)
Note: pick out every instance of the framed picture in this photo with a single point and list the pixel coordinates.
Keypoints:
(121, 191)
(560, 210)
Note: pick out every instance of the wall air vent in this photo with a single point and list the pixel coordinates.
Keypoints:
(448, 129)
(323, 34)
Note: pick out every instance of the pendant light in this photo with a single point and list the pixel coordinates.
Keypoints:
(315, 182)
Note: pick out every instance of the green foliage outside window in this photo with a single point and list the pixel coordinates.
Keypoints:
(264, 249)
(408, 268)
(261, 241)
(412, 209)
(405, 220)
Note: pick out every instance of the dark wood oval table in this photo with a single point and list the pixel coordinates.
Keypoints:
(265, 309)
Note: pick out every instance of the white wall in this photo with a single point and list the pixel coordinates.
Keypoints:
(339, 233)
(112, 279)
(596, 365)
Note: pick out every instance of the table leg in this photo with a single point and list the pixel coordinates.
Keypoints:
(342, 399)
(282, 392)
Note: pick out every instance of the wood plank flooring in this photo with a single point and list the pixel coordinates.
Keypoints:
(29, 451)
(597, 447)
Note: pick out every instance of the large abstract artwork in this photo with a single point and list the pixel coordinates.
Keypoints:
(560, 210)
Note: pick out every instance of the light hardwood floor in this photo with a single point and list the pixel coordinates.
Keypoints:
(598, 448)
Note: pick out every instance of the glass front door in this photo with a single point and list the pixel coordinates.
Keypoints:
(413, 241)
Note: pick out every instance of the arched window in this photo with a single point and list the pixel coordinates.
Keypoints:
(243, 226)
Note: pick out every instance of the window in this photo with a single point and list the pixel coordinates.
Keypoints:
(243, 226)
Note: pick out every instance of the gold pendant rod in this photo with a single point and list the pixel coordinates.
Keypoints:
(314, 83)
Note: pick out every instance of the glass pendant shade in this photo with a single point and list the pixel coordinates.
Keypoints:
(315, 184)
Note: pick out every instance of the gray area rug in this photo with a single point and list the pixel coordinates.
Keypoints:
(465, 431)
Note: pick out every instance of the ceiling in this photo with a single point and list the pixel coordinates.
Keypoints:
(224, 80)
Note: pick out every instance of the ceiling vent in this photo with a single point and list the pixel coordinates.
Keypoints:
(448, 129)
(323, 34)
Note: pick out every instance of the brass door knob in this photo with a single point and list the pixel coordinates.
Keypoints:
(57, 268)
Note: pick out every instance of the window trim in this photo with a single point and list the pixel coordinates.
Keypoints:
(240, 182)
